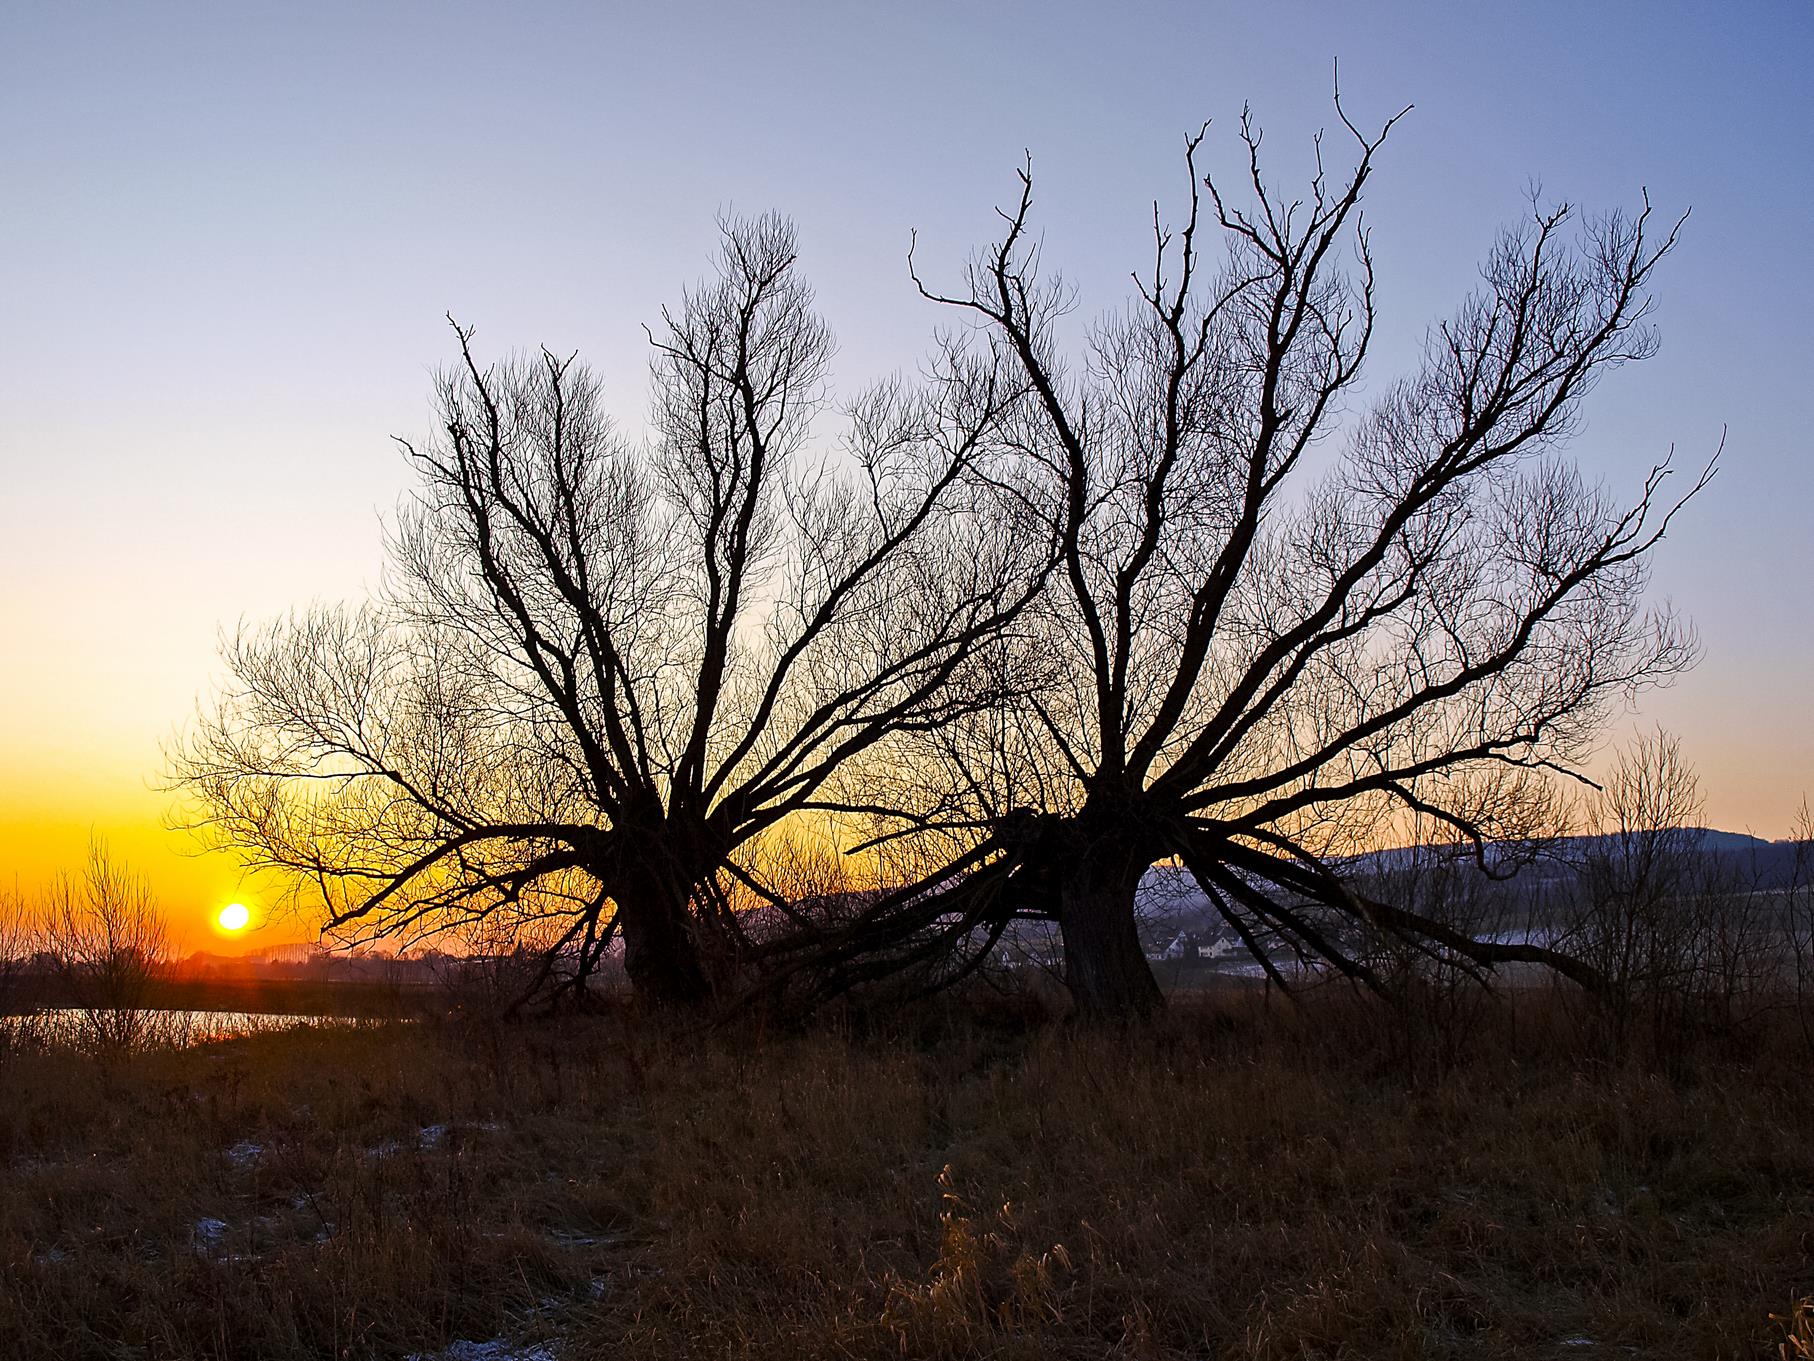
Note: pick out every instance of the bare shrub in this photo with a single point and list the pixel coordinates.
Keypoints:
(1635, 917)
(15, 944)
(1737, 945)
(17, 993)
(109, 943)
(1798, 911)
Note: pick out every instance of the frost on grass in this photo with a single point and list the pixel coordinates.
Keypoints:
(571, 1238)
(431, 1137)
(495, 1350)
(245, 1154)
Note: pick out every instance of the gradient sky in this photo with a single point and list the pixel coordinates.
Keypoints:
(228, 235)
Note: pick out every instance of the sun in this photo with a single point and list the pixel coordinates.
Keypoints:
(234, 917)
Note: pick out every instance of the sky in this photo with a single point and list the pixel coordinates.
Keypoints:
(229, 235)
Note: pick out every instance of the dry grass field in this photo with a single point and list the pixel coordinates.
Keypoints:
(1231, 1184)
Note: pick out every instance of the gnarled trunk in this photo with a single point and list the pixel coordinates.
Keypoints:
(661, 957)
(652, 886)
(1091, 865)
(1104, 966)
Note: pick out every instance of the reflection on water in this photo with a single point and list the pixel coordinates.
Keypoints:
(74, 1025)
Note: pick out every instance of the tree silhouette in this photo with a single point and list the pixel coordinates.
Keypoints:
(1281, 622)
(1255, 624)
(601, 671)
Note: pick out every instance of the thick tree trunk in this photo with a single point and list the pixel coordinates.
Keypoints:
(661, 956)
(1104, 966)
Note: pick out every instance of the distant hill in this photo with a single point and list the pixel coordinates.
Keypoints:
(1173, 909)
(1770, 863)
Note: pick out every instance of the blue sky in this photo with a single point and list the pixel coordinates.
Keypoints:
(229, 234)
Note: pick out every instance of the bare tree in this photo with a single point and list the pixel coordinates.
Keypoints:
(1799, 924)
(1738, 943)
(602, 670)
(110, 943)
(1281, 627)
(1636, 924)
(15, 937)
(16, 945)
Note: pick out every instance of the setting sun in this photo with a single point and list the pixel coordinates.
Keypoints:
(234, 917)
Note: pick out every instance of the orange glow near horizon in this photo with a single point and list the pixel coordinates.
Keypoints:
(49, 814)
(48, 818)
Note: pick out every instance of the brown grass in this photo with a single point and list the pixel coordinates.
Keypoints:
(1230, 1185)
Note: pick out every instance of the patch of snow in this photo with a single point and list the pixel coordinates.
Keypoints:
(568, 1238)
(245, 1154)
(207, 1233)
(431, 1137)
(1577, 1342)
(495, 1350)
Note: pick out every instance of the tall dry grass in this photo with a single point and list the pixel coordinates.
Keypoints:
(1243, 1181)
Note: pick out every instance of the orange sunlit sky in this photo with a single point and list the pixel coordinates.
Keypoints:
(230, 235)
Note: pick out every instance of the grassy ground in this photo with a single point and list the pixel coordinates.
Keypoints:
(1226, 1186)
